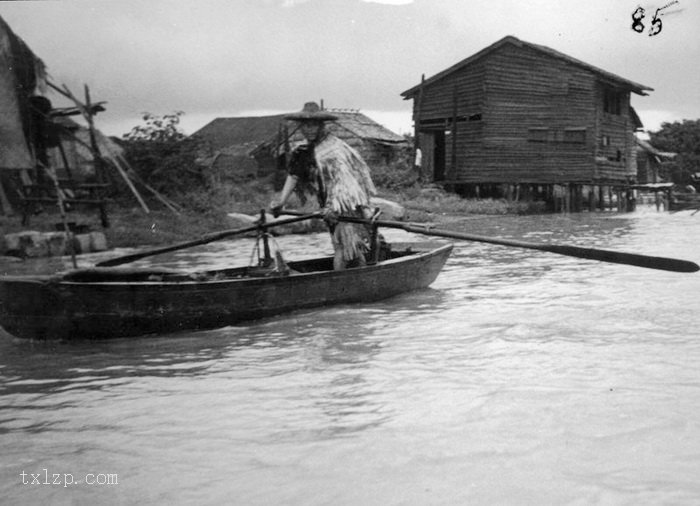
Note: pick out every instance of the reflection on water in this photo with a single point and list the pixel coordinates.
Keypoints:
(518, 378)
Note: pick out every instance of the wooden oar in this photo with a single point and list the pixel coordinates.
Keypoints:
(617, 257)
(203, 240)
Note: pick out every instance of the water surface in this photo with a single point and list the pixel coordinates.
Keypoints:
(519, 377)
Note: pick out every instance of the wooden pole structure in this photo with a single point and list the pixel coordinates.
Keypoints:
(5, 205)
(96, 155)
(87, 114)
(453, 161)
(70, 239)
(416, 126)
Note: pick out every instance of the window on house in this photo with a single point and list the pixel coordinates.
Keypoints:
(575, 135)
(612, 101)
(616, 157)
(538, 134)
(433, 122)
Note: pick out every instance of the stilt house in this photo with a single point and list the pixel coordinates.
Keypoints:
(518, 113)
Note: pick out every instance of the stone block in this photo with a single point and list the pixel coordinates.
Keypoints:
(81, 243)
(98, 241)
(57, 243)
(30, 243)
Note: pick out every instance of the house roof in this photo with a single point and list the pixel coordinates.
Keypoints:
(362, 126)
(603, 74)
(223, 133)
(636, 120)
(644, 145)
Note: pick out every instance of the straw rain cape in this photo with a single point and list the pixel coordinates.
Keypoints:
(344, 174)
(341, 180)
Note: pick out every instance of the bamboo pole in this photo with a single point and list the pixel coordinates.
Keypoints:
(132, 175)
(96, 155)
(70, 239)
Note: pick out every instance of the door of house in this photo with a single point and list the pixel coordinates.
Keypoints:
(432, 145)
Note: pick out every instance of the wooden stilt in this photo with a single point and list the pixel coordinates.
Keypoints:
(578, 198)
(5, 205)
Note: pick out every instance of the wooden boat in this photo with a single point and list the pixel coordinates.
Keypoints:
(118, 302)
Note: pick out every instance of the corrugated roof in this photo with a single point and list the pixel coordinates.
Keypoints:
(509, 39)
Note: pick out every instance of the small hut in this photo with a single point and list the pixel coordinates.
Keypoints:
(233, 143)
(652, 164)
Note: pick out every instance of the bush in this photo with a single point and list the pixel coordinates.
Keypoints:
(397, 175)
(247, 198)
(162, 156)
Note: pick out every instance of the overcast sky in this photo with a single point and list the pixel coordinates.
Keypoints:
(221, 58)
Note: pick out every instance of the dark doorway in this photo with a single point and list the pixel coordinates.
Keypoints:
(432, 144)
(439, 156)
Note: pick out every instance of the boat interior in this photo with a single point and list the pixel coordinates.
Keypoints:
(275, 267)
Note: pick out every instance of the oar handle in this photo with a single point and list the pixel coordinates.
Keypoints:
(204, 240)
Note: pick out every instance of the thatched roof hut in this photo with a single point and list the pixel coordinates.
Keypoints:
(234, 142)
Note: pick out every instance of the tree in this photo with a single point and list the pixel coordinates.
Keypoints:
(162, 155)
(682, 138)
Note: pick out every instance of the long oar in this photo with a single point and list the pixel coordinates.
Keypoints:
(203, 240)
(617, 257)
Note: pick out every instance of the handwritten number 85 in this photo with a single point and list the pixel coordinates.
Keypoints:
(638, 26)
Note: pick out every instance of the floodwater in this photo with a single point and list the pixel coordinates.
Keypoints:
(519, 377)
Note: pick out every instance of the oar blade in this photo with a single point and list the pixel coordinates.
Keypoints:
(617, 257)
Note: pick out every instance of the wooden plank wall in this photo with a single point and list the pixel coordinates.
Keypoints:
(527, 93)
(620, 137)
(437, 101)
(518, 90)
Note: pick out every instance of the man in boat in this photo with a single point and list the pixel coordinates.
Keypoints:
(333, 171)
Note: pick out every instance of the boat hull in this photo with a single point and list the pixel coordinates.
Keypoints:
(47, 308)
